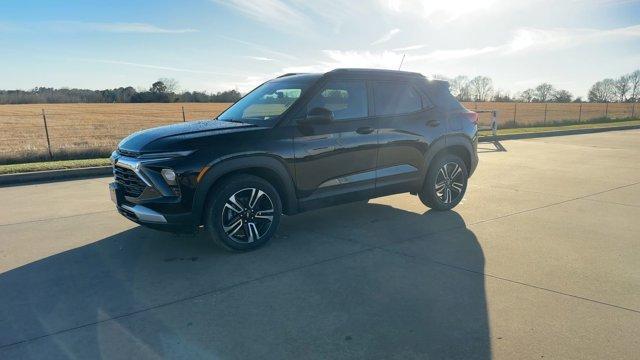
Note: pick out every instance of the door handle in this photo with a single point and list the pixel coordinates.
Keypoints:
(365, 130)
(433, 123)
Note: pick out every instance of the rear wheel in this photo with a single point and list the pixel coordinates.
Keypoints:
(445, 184)
(243, 213)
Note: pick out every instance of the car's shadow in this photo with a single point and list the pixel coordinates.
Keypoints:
(306, 294)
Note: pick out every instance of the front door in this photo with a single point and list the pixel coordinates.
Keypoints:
(335, 162)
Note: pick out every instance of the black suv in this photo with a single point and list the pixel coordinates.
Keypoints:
(298, 142)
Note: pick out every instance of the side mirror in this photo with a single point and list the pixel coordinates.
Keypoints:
(318, 115)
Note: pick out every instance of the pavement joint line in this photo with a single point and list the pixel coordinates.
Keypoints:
(214, 291)
(480, 273)
(57, 218)
(369, 248)
(552, 204)
(611, 202)
(465, 226)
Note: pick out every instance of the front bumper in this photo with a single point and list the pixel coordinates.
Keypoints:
(142, 196)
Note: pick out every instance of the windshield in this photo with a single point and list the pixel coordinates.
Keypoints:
(267, 102)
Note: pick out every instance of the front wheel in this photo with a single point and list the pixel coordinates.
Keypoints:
(445, 184)
(243, 213)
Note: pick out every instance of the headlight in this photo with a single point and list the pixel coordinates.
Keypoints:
(112, 158)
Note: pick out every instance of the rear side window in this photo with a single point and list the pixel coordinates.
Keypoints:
(347, 99)
(395, 98)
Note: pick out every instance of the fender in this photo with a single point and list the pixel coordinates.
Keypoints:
(216, 170)
(449, 141)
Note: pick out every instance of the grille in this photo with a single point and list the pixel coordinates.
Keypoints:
(130, 182)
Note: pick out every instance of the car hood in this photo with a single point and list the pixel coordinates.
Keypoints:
(139, 141)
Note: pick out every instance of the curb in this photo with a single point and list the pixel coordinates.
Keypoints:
(54, 175)
(556, 133)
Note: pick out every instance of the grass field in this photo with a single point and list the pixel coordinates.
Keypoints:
(93, 130)
(84, 130)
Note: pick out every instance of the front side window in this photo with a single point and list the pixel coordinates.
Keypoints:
(267, 102)
(395, 99)
(347, 99)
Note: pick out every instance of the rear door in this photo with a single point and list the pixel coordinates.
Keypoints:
(336, 162)
(408, 124)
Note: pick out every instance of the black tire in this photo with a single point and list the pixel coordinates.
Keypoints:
(456, 186)
(221, 215)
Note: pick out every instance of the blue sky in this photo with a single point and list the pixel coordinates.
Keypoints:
(214, 45)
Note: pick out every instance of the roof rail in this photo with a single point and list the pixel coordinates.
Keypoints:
(288, 74)
(376, 71)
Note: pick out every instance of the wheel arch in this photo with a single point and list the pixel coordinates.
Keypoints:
(458, 145)
(264, 166)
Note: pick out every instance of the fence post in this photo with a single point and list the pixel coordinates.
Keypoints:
(184, 119)
(580, 114)
(545, 113)
(606, 110)
(515, 112)
(633, 110)
(494, 123)
(46, 131)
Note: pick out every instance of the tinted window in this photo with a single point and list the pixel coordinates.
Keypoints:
(395, 98)
(347, 99)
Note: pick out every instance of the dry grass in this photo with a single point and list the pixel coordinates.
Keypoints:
(84, 130)
(80, 131)
(512, 115)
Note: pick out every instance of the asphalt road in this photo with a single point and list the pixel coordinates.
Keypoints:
(541, 260)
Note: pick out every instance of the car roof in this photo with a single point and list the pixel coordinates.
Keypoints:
(374, 73)
(358, 73)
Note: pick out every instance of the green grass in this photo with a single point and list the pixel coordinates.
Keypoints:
(541, 129)
(52, 165)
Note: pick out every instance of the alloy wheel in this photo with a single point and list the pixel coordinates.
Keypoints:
(449, 182)
(247, 215)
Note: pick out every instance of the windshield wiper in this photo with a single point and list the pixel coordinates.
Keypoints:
(235, 121)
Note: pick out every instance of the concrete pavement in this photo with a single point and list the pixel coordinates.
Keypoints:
(539, 260)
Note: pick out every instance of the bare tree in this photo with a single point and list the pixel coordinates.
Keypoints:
(527, 95)
(544, 91)
(170, 84)
(622, 86)
(603, 91)
(481, 88)
(634, 78)
(459, 87)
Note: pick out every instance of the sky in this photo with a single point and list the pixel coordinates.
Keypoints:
(213, 45)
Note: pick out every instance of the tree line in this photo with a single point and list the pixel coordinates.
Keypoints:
(164, 90)
(625, 88)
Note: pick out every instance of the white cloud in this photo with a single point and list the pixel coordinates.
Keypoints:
(335, 59)
(386, 37)
(531, 39)
(260, 47)
(157, 67)
(274, 13)
(260, 58)
(409, 48)
(441, 11)
(78, 26)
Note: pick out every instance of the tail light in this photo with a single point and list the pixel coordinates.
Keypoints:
(471, 117)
